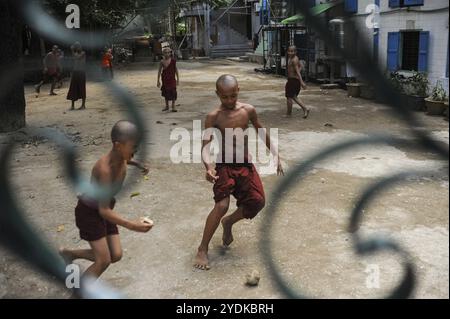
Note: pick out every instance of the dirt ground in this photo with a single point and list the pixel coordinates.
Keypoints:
(312, 247)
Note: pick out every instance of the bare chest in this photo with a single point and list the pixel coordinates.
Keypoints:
(232, 120)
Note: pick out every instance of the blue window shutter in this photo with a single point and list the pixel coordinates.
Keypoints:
(393, 51)
(423, 51)
(394, 3)
(351, 6)
(413, 2)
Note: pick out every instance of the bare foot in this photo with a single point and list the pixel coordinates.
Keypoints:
(201, 260)
(37, 90)
(306, 114)
(66, 255)
(227, 237)
(53, 94)
(82, 107)
(165, 110)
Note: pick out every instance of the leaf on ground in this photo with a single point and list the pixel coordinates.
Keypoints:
(135, 194)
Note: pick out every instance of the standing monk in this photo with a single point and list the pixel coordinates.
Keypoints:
(107, 65)
(77, 88)
(168, 72)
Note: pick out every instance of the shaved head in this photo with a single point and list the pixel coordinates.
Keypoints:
(125, 131)
(227, 81)
(293, 47)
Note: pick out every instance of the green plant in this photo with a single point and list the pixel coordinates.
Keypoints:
(438, 94)
(418, 84)
(397, 81)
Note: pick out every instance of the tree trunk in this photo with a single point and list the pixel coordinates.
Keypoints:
(12, 98)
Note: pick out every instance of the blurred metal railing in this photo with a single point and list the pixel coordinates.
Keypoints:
(19, 237)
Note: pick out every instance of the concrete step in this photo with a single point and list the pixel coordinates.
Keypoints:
(224, 54)
(329, 86)
(232, 50)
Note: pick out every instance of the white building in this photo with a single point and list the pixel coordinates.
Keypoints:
(412, 35)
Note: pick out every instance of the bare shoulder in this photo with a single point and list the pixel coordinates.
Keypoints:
(213, 114)
(211, 117)
(101, 170)
(250, 109)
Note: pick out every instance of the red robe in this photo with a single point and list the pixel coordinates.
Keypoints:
(169, 82)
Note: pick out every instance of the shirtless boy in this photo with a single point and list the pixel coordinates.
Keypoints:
(295, 83)
(97, 220)
(51, 71)
(236, 178)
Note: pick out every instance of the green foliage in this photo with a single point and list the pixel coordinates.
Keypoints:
(438, 93)
(100, 13)
(416, 85)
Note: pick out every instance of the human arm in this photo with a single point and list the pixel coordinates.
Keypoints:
(206, 144)
(103, 177)
(159, 74)
(298, 69)
(142, 166)
(264, 135)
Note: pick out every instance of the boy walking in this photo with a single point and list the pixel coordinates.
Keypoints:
(295, 83)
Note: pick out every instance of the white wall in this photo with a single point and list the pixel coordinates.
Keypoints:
(428, 17)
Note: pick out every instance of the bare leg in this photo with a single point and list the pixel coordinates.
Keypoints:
(289, 107)
(173, 107)
(37, 88)
(52, 88)
(212, 222)
(302, 105)
(83, 104)
(71, 255)
(115, 248)
(102, 258)
(167, 106)
(227, 224)
(73, 106)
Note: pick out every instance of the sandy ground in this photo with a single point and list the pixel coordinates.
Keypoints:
(312, 246)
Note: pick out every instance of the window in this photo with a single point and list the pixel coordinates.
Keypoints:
(408, 51)
(405, 3)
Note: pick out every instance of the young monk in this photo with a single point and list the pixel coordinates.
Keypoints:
(98, 221)
(107, 65)
(77, 88)
(167, 72)
(231, 177)
(295, 83)
(51, 70)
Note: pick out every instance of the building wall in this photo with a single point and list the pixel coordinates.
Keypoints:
(433, 16)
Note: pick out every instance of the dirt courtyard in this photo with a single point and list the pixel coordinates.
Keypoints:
(312, 245)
